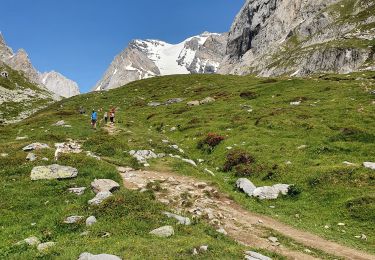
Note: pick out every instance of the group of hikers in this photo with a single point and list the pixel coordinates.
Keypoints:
(106, 115)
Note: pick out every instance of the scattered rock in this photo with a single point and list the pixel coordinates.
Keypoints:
(91, 221)
(143, 155)
(59, 123)
(247, 186)
(45, 159)
(251, 255)
(341, 224)
(31, 241)
(302, 147)
(77, 191)
(222, 231)
(165, 231)
(88, 256)
(154, 104)
(4, 155)
(19, 138)
(266, 192)
(273, 239)
(369, 165)
(207, 100)
(101, 185)
(100, 197)
(73, 219)
(181, 220)
(35, 146)
(189, 161)
(193, 103)
(307, 251)
(45, 246)
(91, 154)
(297, 103)
(173, 101)
(173, 129)
(54, 171)
(31, 157)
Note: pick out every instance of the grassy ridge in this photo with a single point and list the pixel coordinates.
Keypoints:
(335, 122)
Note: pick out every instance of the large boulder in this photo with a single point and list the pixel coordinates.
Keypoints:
(247, 186)
(100, 185)
(266, 193)
(165, 231)
(54, 171)
(88, 256)
(35, 146)
(100, 197)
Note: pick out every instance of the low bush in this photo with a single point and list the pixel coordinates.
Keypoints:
(237, 157)
(210, 142)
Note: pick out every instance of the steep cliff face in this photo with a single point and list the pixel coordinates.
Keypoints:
(149, 58)
(20, 61)
(300, 37)
(59, 84)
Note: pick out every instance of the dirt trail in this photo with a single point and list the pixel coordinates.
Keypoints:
(185, 194)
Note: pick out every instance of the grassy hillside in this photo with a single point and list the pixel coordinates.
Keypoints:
(19, 97)
(335, 122)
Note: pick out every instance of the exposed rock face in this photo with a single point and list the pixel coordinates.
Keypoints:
(149, 58)
(59, 84)
(52, 81)
(104, 185)
(299, 37)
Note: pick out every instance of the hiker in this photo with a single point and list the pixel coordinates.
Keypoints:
(105, 117)
(94, 118)
(112, 116)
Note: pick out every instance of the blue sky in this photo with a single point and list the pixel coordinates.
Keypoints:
(80, 38)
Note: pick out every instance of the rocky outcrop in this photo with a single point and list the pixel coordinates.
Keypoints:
(299, 37)
(149, 58)
(51, 81)
(59, 84)
(52, 172)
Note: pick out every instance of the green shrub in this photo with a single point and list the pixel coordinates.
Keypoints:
(294, 191)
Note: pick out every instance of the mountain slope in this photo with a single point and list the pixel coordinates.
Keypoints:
(301, 37)
(57, 83)
(148, 58)
(19, 98)
(282, 124)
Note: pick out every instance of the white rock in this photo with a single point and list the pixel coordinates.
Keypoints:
(203, 248)
(19, 138)
(31, 157)
(45, 246)
(77, 191)
(369, 165)
(256, 255)
(100, 197)
(101, 185)
(91, 221)
(273, 239)
(73, 219)
(35, 146)
(189, 161)
(4, 155)
(88, 256)
(181, 220)
(246, 185)
(165, 231)
(31, 241)
(341, 224)
(222, 231)
(297, 103)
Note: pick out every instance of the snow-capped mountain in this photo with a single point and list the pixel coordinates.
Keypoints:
(52, 81)
(149, 58)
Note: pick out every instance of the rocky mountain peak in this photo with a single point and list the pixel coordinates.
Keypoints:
(52, 81)
(148, 58)
(59, 84)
